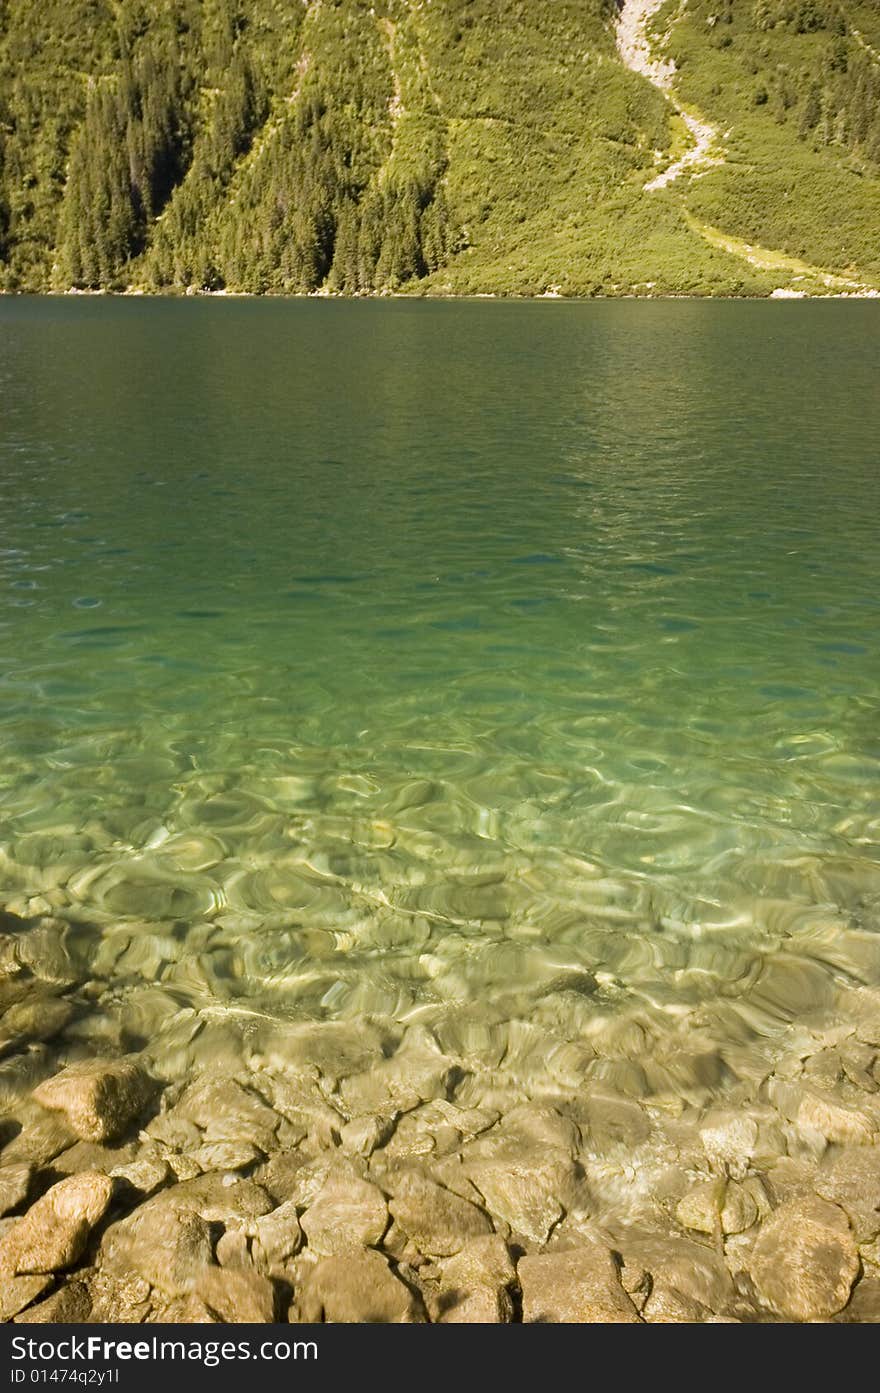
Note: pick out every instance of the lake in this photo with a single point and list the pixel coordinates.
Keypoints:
(465, 706)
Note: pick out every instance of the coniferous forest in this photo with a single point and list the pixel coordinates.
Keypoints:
(438, 146)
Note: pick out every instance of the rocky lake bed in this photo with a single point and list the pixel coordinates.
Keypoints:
(164, 1162)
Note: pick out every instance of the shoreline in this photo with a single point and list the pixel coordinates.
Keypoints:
(776, 295)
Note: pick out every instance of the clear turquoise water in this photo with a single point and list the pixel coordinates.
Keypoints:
(389, 659)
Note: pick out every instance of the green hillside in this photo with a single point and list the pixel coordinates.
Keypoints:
(433, 146)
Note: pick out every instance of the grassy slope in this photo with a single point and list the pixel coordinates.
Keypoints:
(543, 138)
(550, 141)
(818, 203)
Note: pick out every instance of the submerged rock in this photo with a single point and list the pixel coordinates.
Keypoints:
(237, 1295)
(39, 946)
(227, 1155)
(688, 1281)
(14, 1185)
(611, 1123)
(285, 1177)
(277, 1237)
(99, 1097)
(482, 1306)
(805, 1260)
(55, 1230)
(164, 1243)
(852, 1180)
(123, 1298)
(475, 1284)
(577, 1285)
(395, 1159)
(363, 1135)
(348, 1214)
(18, 1292)
(146, 1174)
(729, 1140)
(173, 1131)
(335, 1049)
(227, 1112)
(416, 1073)
(864, 1307)
(40, 1140)
(234, 1250)
(716, 1206)
(67, 1306)
(92, 1156)
(358, 1288)
(218, 1199)
(437, 1221)
(836, 1123)
(38, 1017)
(525, 1198)
(525, 1170)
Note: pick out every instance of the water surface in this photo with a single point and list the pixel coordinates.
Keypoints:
(474, 665)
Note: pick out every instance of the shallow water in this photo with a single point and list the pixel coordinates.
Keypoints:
(505, 669)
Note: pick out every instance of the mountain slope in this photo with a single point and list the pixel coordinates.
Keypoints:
(798, 97)
(435, 146)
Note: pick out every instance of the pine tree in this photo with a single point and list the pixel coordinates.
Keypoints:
(369, 242)
(434, 232)
(344, 272)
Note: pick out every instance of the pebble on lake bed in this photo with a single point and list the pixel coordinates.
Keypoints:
(717, 1207)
